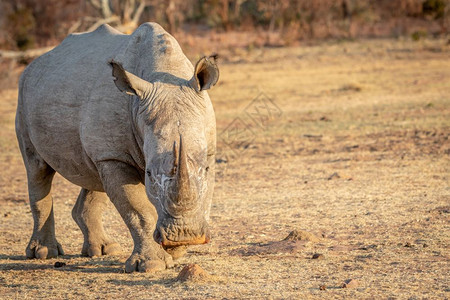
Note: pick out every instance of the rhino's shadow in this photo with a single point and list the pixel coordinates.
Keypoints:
(145, 282)
(94, 266)
(12, 257)
(21, 263)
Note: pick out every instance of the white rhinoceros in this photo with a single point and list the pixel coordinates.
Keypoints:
(144, 136)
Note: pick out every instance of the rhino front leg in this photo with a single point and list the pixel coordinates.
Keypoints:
(43, 243)
(125, 189)
(87, 213)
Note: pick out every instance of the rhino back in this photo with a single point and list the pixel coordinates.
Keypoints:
(70, 110)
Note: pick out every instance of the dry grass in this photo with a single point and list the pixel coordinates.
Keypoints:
(376, 114)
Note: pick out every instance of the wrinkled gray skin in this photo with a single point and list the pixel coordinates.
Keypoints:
(125, 117)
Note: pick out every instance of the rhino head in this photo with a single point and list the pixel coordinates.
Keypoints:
(173, 118)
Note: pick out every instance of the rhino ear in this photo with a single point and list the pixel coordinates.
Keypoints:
(206, 73)
(129, 83)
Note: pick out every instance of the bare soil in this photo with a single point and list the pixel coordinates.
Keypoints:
(347, 141)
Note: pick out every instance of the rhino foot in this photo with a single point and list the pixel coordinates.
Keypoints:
(108, 248)
(42, 250)
(151, 262)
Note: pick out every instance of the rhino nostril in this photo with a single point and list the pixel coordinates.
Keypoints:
(157, 236)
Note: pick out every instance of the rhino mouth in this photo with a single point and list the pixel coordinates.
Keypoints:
(166, 243)
(174, 235)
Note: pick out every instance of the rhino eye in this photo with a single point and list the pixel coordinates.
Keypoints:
(149, 174)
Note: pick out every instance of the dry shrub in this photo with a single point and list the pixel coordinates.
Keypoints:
(28, 23)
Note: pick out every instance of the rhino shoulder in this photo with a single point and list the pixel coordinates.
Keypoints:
(106, 29)
(101, 33)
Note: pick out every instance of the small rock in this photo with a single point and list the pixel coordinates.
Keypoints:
(352, 87)
(409, 245)
(221, 161)
(335, 175)
(300, 235)
(373, 246)
(323, 287)
(193, 272)
(6, 215)
(318, 256)
(313, 136)
(59, 264)
(350, 283)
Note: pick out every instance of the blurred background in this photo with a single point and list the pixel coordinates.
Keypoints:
(351, 143)
(208, 25)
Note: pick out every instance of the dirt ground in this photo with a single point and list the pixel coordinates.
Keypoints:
(345, 140)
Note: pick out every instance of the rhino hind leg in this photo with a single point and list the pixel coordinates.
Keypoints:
(43, 243)
(87, 213)
(124, 187)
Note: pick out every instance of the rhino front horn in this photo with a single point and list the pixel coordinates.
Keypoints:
(184, 195)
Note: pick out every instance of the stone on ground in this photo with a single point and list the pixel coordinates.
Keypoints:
(350, 283)
(193, 272)
(300, 235)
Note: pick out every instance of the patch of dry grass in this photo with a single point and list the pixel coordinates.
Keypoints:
(383, 218)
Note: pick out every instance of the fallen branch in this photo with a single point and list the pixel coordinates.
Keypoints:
(20, 55)
(103, 21)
